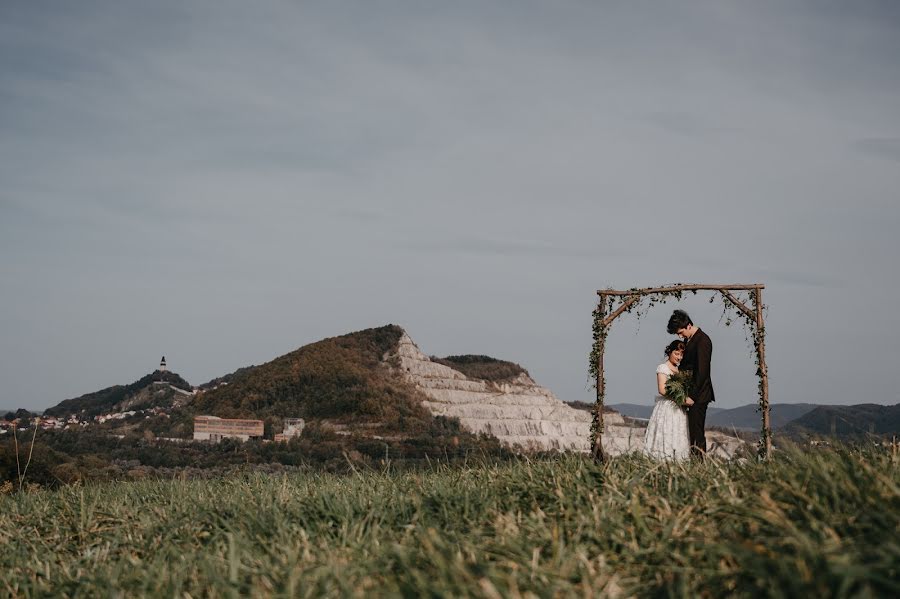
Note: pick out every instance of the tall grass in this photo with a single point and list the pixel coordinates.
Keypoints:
(807, 524)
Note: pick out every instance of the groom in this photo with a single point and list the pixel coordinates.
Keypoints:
(697, 358)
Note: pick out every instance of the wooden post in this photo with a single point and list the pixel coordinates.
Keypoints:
(600, 385)
(763, 371)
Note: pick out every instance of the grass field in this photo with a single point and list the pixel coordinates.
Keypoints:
(811, 524)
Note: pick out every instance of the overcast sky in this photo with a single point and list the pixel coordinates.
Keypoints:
(223, 182)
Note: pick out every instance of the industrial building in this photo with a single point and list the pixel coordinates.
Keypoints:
(213, 428)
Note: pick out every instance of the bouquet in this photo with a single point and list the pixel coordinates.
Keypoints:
(678, 387)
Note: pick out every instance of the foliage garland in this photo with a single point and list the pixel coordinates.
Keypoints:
(754, 335)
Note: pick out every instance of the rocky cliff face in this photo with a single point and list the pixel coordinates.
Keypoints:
(517, 412)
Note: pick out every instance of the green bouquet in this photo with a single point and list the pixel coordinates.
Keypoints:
(678, 387)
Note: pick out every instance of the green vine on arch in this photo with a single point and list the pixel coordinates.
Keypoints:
(600, 333)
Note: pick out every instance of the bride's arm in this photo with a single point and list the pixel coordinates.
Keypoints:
(661, 383)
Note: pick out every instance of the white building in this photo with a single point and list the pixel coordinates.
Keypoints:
(292, 428)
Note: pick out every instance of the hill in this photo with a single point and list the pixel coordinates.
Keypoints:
(343, 379)
(224, 379)
(10, 415)
(114, 398)
(348, 379)
(847, 422)
(483, 367)
(360, 411)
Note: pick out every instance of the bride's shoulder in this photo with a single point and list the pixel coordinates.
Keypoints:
(664, 368)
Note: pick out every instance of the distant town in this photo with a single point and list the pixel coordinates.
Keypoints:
(207, 428)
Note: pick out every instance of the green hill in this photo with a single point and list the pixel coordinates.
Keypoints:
(106, 400)
(342, 379)
(482, 367)
(224, 379)
(847, 422)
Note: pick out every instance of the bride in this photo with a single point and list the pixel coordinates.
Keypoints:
(667, 431)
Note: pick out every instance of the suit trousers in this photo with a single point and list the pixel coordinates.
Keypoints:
(697, 429)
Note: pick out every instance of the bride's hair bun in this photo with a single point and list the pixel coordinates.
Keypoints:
(677, 344)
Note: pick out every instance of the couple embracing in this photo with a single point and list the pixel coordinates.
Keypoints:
(676, 432)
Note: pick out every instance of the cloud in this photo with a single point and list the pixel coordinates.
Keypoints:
(882, 147)
(681, 123)
(801, 279)
(523, 248)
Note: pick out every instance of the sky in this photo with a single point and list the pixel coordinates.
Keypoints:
(222, 182)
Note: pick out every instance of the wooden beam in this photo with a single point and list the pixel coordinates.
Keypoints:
(618, 312)
(740, 305)
(671, 288)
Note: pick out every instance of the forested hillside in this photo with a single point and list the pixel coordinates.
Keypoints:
(105, 400)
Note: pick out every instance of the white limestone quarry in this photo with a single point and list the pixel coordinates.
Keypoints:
(516, 412)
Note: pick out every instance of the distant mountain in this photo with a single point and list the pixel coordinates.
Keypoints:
(847, 422)
(633, 410)
(743, 417)
(17, 413)
(589, 407)
(118, 396)
(748, 417)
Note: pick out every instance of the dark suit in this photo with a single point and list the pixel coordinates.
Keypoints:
(698, 359)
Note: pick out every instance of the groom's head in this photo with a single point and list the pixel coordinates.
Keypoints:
(681, 324)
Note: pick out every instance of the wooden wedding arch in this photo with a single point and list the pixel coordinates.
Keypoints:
(613, 303)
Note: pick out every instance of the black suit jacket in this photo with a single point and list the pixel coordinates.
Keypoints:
(698, 359)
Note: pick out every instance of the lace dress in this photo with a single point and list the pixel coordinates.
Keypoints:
(667, 432)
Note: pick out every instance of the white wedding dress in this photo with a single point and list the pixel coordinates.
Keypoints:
(667, 431)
